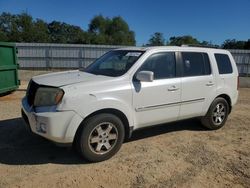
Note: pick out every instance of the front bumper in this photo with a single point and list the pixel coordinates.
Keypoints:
(58, 126)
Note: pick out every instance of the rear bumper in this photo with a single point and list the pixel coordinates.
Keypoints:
(58, 126)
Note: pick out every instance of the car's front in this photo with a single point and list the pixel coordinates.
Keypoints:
(40, 109)
(53, 102)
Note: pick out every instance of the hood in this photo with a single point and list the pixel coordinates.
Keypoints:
(68, 77)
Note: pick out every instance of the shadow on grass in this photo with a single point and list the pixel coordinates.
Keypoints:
(20, 147)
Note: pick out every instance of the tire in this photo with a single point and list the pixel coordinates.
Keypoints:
(100, 138)
(217, 114)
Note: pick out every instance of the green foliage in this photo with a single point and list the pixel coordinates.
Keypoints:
(113, 31)
(102, 30)
(25, 27)
(60, 32)
(234, 44)
(98, 24)
(8, 27)
(187, 39)
(247, 44)
(22, 28)
(157, 39)
(41, 32)
(3, 36)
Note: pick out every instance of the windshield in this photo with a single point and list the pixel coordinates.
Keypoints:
(114, 63)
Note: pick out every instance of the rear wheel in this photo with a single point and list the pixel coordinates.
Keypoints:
(217, 114)
(101, 137)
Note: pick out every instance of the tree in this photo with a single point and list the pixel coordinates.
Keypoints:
(3, 36)
(98, 24)
(157, 39)
(41, 33)
(9, 28)
(247, 45)
(178, 41)
(76, 35)
(110, 31)
(25, 27)
(118, 32)
(20, 28)
(234, 44)
(57, 32)
(60, 32)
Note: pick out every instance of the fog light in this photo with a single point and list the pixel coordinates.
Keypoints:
(41, 127)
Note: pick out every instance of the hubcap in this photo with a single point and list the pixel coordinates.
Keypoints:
(219, 114)
(103, 138)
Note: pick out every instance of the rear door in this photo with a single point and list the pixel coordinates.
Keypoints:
(198, 84)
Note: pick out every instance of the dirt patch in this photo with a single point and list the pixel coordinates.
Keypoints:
(182, 154)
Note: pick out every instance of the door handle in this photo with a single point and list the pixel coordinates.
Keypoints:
(210, 83)
(173, 88)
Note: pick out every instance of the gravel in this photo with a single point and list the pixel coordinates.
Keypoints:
(182, 154)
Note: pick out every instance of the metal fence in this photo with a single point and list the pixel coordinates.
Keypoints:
(71, 56)
(52, 56)
(242, 59)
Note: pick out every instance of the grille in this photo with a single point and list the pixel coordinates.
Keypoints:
(31, 92)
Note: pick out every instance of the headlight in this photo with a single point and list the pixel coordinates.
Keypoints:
(48, 96)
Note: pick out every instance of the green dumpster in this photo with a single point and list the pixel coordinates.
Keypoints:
(8, 68)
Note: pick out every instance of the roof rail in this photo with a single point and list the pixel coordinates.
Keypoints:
(200, 45)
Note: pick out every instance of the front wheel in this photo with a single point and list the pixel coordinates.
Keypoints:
(217, 114)
(101, 137)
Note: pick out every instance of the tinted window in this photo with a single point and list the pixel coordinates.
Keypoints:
(223, 63)
(206, 63)
(162, 64)
(195, 64)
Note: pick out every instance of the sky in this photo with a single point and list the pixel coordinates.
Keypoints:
(210, 20)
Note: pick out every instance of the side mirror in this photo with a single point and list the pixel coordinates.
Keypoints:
(145, 76)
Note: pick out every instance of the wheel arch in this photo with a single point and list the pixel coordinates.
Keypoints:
(228, 99)
(116, 112)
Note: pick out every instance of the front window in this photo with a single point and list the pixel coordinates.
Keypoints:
(161, 64)
(114, 63)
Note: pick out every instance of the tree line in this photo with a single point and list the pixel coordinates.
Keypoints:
(157, 39)
(101, 30)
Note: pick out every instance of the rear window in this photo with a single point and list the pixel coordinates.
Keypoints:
(223, 63)
(195, 64)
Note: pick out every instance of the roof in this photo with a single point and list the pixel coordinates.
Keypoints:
(177, 48)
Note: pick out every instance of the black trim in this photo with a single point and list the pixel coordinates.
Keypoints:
(168, 104)
(131, 129)
(31, 92)
(178, 58)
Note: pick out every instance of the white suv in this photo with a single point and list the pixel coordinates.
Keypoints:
(127, 89)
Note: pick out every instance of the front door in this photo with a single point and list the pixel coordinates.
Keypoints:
(158, 101)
